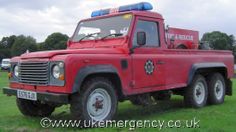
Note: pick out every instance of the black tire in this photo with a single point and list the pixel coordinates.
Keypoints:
(216, 79)
(34, 108)
(79, 101)
(162, 95)
(196, 93)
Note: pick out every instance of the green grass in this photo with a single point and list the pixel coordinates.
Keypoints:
(212, 118)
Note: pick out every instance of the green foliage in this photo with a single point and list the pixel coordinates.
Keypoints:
(22, 44)
(54, 41)
(16, 45)
(219, 40)
(4, 53)
(7, 42)
(5, 46)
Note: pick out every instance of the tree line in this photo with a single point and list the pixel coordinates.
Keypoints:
(16, 45)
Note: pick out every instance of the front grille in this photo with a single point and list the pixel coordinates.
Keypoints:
(34, 73)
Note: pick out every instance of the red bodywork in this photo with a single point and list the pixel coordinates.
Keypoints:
(187, 38)
(172, 73)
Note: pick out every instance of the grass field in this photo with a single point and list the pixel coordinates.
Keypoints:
(212, 118)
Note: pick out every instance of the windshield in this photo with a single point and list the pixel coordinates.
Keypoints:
(103, 28)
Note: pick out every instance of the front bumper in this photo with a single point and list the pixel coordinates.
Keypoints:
(42, 96)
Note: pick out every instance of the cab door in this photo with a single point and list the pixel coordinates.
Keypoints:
(147, 63)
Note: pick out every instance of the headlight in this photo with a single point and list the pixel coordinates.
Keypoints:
(16, 71)
(56, 71)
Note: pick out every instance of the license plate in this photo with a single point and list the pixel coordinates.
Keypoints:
(27, 95)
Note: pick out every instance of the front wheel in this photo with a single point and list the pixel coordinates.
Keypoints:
(96, 101)
(196, 94)
(34, 108)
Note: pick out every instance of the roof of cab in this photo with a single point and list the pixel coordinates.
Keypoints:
(148, 14)
(136, 13)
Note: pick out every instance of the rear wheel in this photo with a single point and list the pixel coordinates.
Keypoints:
(97, 101)
(216, 84)
(34, 108)
(196, 94)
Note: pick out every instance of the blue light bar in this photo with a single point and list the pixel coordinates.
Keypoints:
(143, 6)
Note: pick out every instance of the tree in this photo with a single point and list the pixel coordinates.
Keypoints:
(4, 53)
(5, 46)
(232, 40)
(219, 40)
(7, 42)
(22, 44)
(54, 41)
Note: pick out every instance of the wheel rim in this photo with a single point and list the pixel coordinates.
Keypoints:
(99, 104)
(218, 89)
(199, 93)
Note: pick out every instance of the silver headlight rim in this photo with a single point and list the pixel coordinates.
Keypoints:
(16, 72)
(59, 72)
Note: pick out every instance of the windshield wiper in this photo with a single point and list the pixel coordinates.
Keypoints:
(89, 35)
(113, 34)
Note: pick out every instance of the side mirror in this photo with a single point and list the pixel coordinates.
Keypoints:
(141, 38)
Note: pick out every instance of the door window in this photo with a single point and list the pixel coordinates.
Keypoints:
(151, 30)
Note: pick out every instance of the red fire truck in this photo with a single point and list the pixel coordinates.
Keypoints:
(120, 54)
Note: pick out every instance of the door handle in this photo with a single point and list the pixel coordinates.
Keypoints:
(159, 62)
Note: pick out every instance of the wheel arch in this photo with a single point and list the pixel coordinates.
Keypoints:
(182, 46)
(208, 68)
(107, 71)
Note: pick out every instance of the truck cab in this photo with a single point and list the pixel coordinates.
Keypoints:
(119, 54)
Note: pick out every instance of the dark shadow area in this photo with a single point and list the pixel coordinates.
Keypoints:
(140, 112)
(127, 111)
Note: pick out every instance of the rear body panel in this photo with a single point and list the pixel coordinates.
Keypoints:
(189, 38)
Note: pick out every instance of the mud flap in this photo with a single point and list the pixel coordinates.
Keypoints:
(229, 89)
